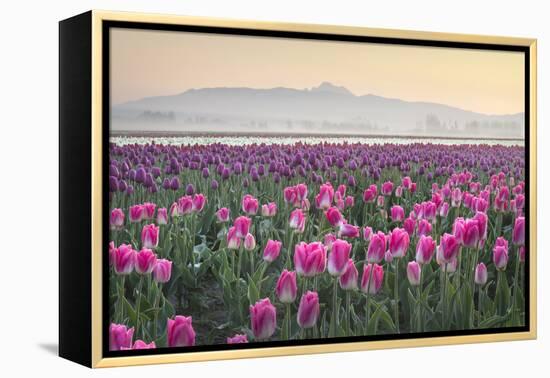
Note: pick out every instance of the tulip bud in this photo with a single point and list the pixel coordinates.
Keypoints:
(308, 311)
(249, 242)
(334, 217)
(413, 273)
(272, 250)
(424, 227)
(377, 278)
(233, 241)
(388, 257)
(500, 257)
(480, 276)
(162, 216)
(162, 271)
(237, 339)
(297, 221)
(367, 233)
(448, 247)
(329, 240)
(286, 288)
(263, 318)
(338, 257)
(117, 219)
(518, 234)
(348, 280)
(145, 261)
(377, 247)
(223, 215)
(324, 199)
(180, 332)
(387, 188)
(250, 205)
(136, 213)
(425, 249)
(349, 231)
(310, 259)
(242, 226)
(199, 200)
(397, 213)
(120, 337)
(150, 236)
(149, 210)
(399, 242)
(124, 259)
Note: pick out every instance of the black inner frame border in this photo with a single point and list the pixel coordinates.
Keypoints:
(107, 25)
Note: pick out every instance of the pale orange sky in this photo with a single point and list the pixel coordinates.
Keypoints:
(148, 63)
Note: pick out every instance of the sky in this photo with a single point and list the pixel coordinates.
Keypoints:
(147, 63)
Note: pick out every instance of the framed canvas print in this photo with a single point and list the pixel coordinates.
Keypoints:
(235, 189)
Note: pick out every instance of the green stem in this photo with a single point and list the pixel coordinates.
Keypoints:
(515, 292)
(367, 309)
(138, 303)
(335, 308)
(348, 313)
(396, 295)
(155, 307)
(288, 321)
(444, 299)
(121, 299)
(479, 306)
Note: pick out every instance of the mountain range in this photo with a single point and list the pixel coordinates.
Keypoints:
(327, 108)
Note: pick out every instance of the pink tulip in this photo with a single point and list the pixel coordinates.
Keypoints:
(185, 205)
(180, 332)
(334, 217)
(297, 220)
(413, 187)
(444, 210)
(117, 219)
(250, 205)
(409, 225)
(162, 216)
(349, 201)
(377, 279)
(424, 227)
(338, 257)
(301, 192)
(120, 337)
(140, 344)
(162, 271)
(370, 194)
(367, 233)
(471, 236)
(263, 318)
(223, 214)
(328, 240)
(237, 339)
(199, 200)
(458, 229)
(309, 309)
(136, 213)
(290, 195)
(348, 280)
(349, 231)
(429, 210)
(145, 261)
(112, 252)
(233, 241)
(269, 210)
(242, 226)
(425, 248)
(377, 247)
(249, 242)
(124, 259)
(500, 257)
(413, 273)
(150, 236)
(482, 222)
(399, 191)
(397, 213)
(387, 188)
(480, 276)
(341, 190)
(399, 242)
(310, 259)
(388, 257)
(406, 182)
(174, 210)
(448, 247)
(286, 287)
(149, 210)
(518, 234)
(272, 250)
(324, 199)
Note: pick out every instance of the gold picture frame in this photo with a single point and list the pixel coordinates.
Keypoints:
(95, 20)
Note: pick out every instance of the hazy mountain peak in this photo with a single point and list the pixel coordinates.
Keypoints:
(325, 86)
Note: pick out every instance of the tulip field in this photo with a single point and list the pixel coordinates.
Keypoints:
(214, 243)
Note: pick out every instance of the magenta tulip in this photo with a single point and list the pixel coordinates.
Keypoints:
(162, 271)
(348, 280)
(242, 226)
(309, 309)
(199, 200)
(449, 247)
(120, 337)
(413, 273)
(180, 332)
(145, 261)
(409, 225)
(185, 205)
(471, 236)
(399, 242)
(369, 195)
(250, 205)
(272, 250)
(377, 247)
(377, 279)
(297, 220)
(310, 259)
(334, 217)
(324, 199)
(349, 231)
(233, 241)
(425, 248)
(286, 288)
(328, 240)
(136, 213)
(518, 234)
(149, 210)
(480, 276)
(124, 259)
(150, 236)
(269, 210)
(249, 242)
(162, 216)
(338, 257)
(387, 188)
(424, 227)
(117, 219)
(367, 233)
(237, 339)
(223, 215)
(397, 213)
(263, 318)
(140, 344)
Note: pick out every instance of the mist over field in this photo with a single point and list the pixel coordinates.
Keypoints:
(326, 109)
